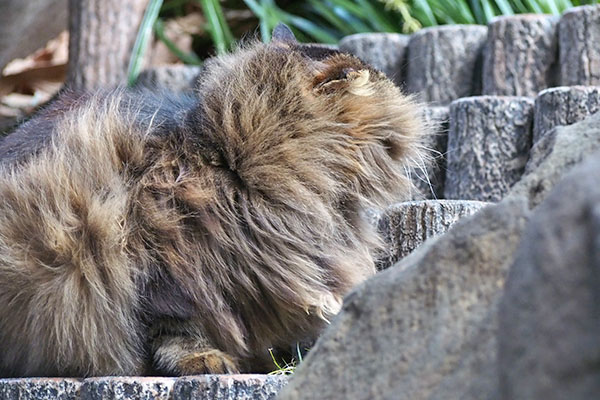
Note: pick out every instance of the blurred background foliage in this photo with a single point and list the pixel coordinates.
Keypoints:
(213, 26)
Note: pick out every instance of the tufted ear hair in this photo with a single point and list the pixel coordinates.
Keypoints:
(283, 34)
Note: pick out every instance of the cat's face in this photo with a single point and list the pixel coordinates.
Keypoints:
(292, 120)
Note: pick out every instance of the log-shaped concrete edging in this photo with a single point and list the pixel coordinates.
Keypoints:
(521, 55)
(385, 51)
(563, 105)
(579, 44)
(200, 387)
(405, 226)
(488, 146)
(444, 63)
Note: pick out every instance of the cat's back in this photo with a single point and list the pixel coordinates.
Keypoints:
(66, 281)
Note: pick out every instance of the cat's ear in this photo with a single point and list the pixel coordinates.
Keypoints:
(283, 34)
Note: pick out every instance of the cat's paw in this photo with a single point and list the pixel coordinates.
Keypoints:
(207, 362)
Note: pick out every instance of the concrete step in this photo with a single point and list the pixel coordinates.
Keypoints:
(202, 387)
(405, 226)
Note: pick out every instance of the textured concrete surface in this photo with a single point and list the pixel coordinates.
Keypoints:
(385, 51)
(579, 44)
(444, 63)
(521, 55)
(554, 155)
(488, 146)
(406, 226)
(563, 105)
(202, 387)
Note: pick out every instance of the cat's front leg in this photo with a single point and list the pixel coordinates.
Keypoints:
(178, 355)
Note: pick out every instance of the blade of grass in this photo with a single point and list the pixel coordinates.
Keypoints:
(309, 27)
(505, 7)
(488, 11)
(327, 12)
(141, 40)
(422, 11)
(218, 28)
(379, 19)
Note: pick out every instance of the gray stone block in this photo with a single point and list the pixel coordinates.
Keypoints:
(127, 388)
(406, 226)
(172, 77)
(521, 55)
(385, 51)
(39, 389)
(579, 46)
(228, 387)
(488, 146)
(430, 180)
(549, 316)
(444, 63)
(563, 106)
(554, 155)
(201, 387)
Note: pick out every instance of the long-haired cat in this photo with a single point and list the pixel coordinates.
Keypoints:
(189, 234)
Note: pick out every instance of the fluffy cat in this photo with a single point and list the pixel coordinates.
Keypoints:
(153, 233)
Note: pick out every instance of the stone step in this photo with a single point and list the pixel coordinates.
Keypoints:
(521, 55)
(444, 62)
(201, 387)
(579, 44)
(488, 146)
(405, 226)
(563, 105)
(385, 51)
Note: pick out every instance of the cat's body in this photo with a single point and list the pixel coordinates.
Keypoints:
(176, 234)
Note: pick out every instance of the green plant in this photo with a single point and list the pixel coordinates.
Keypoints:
(324, 21)
(285, 367)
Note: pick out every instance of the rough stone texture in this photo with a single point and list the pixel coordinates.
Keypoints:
(430, 181)
(549, 319)
(172, 77)
(444, 63)
(521, 55)
(26, 26)
(385, 51)
(405, 226)
(410, 332)
(552, 156)
(579, 44)
(229, 387)
(488, 146)
(126, 388)
(39, 389)
(563, 106)
(201, 387)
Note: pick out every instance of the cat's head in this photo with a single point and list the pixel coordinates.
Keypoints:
(293, 121)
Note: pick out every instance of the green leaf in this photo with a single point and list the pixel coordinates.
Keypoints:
(141, 40)
(218, 28)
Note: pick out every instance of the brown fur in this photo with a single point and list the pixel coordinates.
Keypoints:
(193, 238)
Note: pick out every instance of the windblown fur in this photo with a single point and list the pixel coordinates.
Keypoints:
(173, 234)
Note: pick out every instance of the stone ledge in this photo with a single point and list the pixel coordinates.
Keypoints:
(202, 387)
